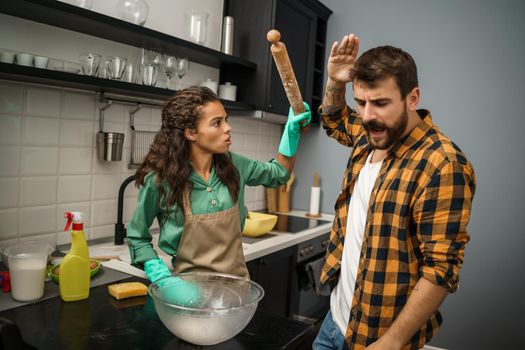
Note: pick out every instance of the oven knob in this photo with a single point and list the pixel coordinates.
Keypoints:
(311, 249)
(301, 252)
(325, 243)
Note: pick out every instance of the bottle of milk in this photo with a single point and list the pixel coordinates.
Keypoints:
(74, 274)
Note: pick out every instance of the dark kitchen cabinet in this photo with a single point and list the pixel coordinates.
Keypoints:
(276, 274)
(302, 24)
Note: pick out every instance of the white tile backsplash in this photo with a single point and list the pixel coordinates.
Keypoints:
(105, 186)
(115, 114)
(39, 161)
(79, 106)
(10, 129)
(9, 188)
(12, 97)
(35, 220)
(43, 101)
(10, 160)
(9, 223)
(38, 190)
(103, 212)
(75, 160)
(76, 188)
(50, 166)
(76, 133)
(40, 131)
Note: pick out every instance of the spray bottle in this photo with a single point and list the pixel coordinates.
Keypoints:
(74, 275)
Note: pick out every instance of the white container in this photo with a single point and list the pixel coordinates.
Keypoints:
(210, 84)
(24, 59)
(27, 267)
(40, 62)
(7, 57)
(227, 91)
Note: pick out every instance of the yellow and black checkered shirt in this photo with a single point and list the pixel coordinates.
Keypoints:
(416, 224)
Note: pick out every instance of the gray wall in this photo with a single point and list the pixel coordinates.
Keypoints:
(470, 57)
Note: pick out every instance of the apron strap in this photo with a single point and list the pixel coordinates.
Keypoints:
(186, 201)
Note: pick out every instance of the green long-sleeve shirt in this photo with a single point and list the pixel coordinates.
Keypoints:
(206, 197)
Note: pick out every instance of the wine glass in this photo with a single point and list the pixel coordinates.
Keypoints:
(182, 68)
(170, 68)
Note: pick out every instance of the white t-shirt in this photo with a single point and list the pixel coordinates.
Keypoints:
(342, 295)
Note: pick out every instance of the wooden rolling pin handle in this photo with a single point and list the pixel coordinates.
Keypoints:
(284, 66)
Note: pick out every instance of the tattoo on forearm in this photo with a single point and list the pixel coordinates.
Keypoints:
(334, 98)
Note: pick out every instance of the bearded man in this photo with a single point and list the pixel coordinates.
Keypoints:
(399, 232)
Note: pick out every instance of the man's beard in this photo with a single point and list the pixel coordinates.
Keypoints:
(393, 134)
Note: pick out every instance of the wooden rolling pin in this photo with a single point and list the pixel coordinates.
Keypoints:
(284, 66)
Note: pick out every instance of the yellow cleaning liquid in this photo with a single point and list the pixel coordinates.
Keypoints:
(74, 275)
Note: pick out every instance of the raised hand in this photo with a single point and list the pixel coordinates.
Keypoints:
(342, 59)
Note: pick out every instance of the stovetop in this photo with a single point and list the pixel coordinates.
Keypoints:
(295, 224)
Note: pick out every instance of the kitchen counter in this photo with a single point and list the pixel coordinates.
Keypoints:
(253, 248)
(101, 322)
(275, 241)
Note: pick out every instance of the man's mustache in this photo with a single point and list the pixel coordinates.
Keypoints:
(373, 124)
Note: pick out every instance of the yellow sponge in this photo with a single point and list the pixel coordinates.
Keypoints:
(127, 290)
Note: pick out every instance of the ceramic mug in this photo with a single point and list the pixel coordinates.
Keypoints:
(7, 57)
(24, 59)
(40, 62)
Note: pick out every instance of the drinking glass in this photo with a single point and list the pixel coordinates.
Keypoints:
(148, 73)
(182, 68)
(116, 66)
(197, 25)
(90, 63)
(170, 68)
(133, 11)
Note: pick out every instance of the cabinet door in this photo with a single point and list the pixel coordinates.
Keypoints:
(275, 273)
(297, 26)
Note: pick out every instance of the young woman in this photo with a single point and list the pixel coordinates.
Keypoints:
(194, 187)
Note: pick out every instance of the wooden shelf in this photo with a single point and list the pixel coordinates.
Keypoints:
(63, 15)
(77, 81)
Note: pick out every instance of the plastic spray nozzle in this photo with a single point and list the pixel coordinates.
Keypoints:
(76, 217)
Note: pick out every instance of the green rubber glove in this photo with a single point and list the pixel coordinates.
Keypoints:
(172, 289)
(156, 269)
(292, 130)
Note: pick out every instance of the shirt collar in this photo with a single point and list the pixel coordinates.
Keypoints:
(416, 135)
(198, 181)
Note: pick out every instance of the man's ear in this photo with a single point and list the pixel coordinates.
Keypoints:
(189, 134)
(413, 99)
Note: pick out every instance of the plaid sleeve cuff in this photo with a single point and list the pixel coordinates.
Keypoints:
(445, 275)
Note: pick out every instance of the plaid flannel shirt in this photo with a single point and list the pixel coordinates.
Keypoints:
(415, 227)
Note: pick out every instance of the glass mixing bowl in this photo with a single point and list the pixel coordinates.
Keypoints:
(224, 306)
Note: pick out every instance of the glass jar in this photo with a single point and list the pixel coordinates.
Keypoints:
(133, 11)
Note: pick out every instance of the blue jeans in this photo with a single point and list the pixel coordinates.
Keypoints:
(329, 336)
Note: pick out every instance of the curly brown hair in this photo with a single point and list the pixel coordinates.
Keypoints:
(169, 154)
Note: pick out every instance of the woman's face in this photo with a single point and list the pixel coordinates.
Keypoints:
(213, 133)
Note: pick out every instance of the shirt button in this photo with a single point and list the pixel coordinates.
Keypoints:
(213, 202)
(340, 262)
(208, 189)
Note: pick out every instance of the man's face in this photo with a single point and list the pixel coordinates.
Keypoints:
(213, 134)
(384, 113)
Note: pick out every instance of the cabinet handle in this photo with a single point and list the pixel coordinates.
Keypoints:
(263, 262)
(270, 106)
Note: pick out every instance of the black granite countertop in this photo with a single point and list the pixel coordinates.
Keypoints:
(101, 322)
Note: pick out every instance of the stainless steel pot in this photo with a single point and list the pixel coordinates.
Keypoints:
(109, 146)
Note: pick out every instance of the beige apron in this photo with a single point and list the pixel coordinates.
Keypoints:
(211, 242)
